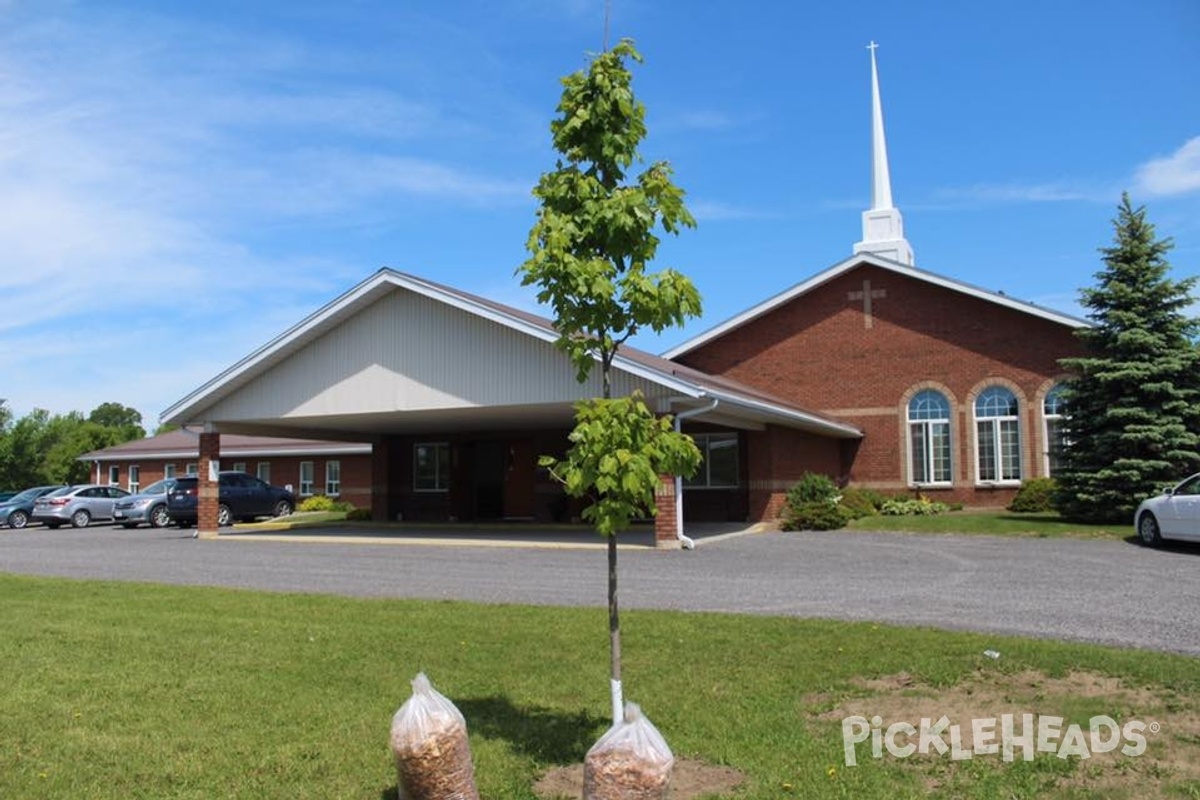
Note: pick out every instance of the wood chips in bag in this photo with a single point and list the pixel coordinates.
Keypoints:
(429, 742)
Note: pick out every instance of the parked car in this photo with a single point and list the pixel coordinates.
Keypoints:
(1174, 514)
(16, 511)
(149, 506)
(79, 504)
(5, 496)
(240, 497)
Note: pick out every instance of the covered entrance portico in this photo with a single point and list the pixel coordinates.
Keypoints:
(459, 396)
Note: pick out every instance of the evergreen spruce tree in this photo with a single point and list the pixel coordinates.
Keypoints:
(1133, 403)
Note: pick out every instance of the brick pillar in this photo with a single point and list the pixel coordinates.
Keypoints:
(207, 491)
(664, 521)
(381, 478)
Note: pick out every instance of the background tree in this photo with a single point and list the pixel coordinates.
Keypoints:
(40, 448)
(1133, 405)
(594, 236)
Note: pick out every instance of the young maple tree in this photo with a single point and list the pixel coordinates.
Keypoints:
(594, 236)
(1133, 405)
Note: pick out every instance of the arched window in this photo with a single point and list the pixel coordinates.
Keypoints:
(929, 438)
(998, 435)
(1053, 409)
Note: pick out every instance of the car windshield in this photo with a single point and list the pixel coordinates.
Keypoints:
(159, 487)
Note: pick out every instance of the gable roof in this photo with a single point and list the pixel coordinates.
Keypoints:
(861, 259)
(688, 383)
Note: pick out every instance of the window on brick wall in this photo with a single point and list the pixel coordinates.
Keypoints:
(191, 468)
(135, 478)
(306, 478)
(114, 476)
(998, 435)
(1053, 408)
(333, 478)
(719, 461)
(263, 471)
(168, 470)
(239, 466)
(929, 438)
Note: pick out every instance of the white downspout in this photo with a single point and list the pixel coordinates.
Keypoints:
(688, 544)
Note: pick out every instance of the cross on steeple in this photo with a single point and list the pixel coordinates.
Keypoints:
(867, 295)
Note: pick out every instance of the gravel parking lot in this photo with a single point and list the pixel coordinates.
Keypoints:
(1097, 591)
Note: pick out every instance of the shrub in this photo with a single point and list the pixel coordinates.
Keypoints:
(912, 507)
(318, 502)
(861, 502)
(1035, 494)
(359, 515)
(342, 505)
(812, 488)
(819, 516)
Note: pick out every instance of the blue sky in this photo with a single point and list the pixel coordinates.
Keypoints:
(181, 182)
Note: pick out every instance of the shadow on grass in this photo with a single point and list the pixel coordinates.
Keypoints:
(548, 735)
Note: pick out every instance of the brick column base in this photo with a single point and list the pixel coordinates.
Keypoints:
(664, 520)
(207, 491)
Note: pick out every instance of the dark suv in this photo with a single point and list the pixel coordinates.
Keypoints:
(242, 497)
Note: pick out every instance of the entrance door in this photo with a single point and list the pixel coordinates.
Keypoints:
(490, 461)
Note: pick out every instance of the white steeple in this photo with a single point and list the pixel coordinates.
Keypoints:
(883, 227)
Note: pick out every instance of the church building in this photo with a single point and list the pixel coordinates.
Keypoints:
(874, 371)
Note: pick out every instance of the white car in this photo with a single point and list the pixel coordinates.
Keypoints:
(1174, 514)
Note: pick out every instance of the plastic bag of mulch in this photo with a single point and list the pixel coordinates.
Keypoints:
(631, 761)
(429, 742)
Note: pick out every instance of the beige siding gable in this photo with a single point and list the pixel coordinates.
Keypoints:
(409, 352)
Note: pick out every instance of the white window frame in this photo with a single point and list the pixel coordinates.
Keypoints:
(191, 469)
(928, 428)
(1053, 406)
(168, 470)
(702, 480)
(114, 474)
(441, 482)
(239, 466)
(134, 478)
(997, 424)
(262, 471)
(333, 478)
(306, 483)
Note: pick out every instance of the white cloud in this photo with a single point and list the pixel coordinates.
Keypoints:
(1178, 173)
(1055, 192)
(716, 211)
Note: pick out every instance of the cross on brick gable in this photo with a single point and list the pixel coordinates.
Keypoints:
(867, 295)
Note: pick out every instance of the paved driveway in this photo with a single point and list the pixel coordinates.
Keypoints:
(1109, 592)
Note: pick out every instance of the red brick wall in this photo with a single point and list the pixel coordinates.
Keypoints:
(285, 470)
(819, 352)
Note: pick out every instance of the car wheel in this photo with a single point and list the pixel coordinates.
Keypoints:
(158, 516)
(18, 519)
(283, 508)
(80, 518)
(224, 516)
(1148, 530)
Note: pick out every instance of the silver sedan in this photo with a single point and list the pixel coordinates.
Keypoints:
(78, 505)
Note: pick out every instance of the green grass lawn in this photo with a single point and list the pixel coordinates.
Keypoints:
(994, 522)
(123, 690)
